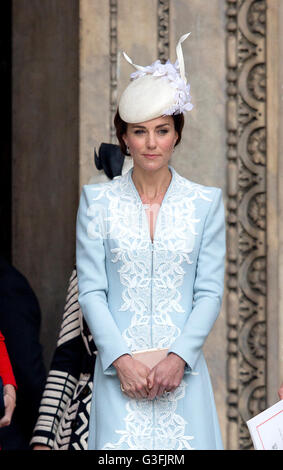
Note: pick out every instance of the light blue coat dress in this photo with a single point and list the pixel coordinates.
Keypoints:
(137, 294)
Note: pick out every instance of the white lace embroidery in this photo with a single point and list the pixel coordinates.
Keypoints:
(151, 278)
(154, 424)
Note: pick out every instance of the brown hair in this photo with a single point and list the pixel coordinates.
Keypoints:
(121, 129)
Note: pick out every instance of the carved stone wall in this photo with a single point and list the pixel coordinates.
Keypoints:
(113, 55)
(248, 173)
(163, 25)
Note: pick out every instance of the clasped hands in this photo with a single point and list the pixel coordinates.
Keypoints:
(139, 381)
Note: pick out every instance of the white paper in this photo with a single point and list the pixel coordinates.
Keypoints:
(266, 428)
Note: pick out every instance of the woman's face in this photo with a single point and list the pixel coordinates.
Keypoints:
(151, 143)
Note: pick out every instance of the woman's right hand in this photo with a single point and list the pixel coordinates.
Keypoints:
(132, 375)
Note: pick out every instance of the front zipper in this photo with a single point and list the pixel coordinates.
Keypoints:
(151, 282)
(151, 317)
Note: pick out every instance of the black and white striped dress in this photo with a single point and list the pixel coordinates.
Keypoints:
(63, 419)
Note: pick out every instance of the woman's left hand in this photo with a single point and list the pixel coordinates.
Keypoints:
(166, 376)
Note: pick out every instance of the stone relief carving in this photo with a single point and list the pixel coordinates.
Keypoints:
(163, 29)
(246, 231)
(113, 51)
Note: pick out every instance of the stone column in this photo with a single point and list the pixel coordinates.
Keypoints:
(94, 84)
(275, 197)
(274, 75)
(279, 100)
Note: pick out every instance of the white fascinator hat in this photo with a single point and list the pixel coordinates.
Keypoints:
(156, 90)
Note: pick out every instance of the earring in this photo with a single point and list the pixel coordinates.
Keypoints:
(127, 150)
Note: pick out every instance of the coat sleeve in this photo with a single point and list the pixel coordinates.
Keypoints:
(93, 287)
(6, 370)
(208, 285)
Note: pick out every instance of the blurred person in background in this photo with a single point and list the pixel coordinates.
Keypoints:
(20, 319)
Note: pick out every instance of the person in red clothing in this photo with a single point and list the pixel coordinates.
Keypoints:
(10, 386)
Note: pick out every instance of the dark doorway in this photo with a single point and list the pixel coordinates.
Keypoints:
(6, 130)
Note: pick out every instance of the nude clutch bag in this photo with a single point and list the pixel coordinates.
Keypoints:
(150, 357)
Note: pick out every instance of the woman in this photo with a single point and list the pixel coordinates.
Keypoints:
(9, 383)
(150, 263)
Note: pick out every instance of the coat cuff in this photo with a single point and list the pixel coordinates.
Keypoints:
(108, 359)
